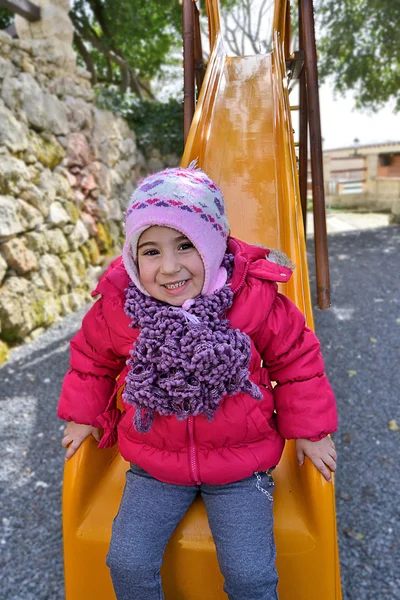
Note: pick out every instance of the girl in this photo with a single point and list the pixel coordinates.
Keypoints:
(192, 321)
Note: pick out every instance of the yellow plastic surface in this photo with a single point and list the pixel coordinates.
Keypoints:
(241, 134)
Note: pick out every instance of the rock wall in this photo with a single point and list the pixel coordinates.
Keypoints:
(67, 170)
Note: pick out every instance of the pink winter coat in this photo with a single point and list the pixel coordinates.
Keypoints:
(246, 435)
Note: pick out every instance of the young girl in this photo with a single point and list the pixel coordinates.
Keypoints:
(192, 322)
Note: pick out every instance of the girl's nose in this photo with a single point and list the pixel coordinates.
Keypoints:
(169, 265)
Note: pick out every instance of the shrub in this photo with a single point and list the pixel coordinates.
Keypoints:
(156, 124)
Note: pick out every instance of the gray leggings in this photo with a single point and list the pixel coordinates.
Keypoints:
(240, 518)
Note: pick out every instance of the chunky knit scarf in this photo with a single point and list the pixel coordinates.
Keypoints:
(185, 358)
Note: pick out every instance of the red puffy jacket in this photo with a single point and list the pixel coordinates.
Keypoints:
(246, 435)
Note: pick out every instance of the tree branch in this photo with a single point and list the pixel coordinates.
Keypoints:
(126, 80)
(242, 18)
(110, 55)
(232, 41)
(24, 8)
(247, 8)
(110, 71)
(206, 54)
(262, 12)
(98, 11)
(146, 89)
(85, 54)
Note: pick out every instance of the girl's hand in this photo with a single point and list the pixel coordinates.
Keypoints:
(322, 454)
(75, 434)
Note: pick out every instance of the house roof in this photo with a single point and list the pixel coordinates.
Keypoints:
(363, 146)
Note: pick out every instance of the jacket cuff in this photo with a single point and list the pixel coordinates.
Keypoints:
(108, 420)
(319, 437)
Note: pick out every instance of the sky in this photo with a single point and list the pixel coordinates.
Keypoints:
(340, 123)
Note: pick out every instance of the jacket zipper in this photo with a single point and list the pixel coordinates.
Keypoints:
(192, 450)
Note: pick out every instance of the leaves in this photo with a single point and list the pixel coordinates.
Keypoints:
(351, 373)
(359, 49)
(347, 438)
(6, 18)
(392, 425)
(354, 534)
(128, 42)
(156, 124)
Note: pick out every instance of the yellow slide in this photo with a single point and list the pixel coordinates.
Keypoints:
(242, 135)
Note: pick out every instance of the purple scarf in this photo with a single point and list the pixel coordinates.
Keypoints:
(185, 361)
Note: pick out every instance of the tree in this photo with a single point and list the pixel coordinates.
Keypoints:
(248, 26)
(123, 42)
(359, 48)
(126, 42)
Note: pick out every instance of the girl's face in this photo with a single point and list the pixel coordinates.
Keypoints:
(170, 268)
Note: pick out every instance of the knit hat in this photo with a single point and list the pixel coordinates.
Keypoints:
(185, 199)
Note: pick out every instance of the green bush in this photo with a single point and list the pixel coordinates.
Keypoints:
(156, 124)
(6, 17)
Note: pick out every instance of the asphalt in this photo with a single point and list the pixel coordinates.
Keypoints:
(360, 340)
(340, 221)
(360, 337)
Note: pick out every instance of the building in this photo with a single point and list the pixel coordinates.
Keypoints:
(363, 177)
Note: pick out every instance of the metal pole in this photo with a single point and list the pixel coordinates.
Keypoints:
(303, 133)
(287, 31)
(199, 67)
(24, 8)
(188, 66)
(320, 236)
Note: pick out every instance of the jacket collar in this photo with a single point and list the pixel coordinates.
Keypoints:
(258, 262)
(114, 281)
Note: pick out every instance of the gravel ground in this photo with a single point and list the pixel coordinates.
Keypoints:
(360, 338)
(31, 467)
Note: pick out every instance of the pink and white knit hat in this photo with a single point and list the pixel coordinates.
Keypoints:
(186, 200)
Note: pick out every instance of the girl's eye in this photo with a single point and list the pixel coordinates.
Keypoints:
(186, 246)
(150, 253)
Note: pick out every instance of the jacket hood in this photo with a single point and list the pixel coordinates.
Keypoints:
(257, 261)
(113, 281)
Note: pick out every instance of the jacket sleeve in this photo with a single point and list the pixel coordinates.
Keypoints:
(304, 400)
(87, 390)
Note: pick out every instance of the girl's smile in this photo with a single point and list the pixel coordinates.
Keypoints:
(176, 287)
(170, 267)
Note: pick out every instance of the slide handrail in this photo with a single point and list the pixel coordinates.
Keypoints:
(189, 100)
(306, 15)
(309, 114)
(193, 64)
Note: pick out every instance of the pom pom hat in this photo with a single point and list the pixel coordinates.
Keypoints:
(186, 200)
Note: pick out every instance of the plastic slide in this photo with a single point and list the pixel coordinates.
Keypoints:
(242, 135)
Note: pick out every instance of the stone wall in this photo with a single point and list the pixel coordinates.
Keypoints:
(67, 170)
